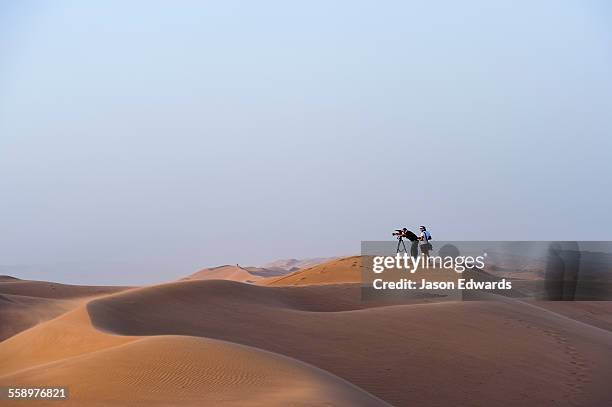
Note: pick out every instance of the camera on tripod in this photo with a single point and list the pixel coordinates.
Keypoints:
(400, 234)
(405, 233)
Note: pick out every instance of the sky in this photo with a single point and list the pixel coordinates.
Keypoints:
(140, 142)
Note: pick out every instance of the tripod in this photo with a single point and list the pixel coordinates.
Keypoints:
(400, 241)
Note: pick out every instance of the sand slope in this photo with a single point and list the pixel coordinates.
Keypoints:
(45, 289)
(102, 368)
(188, 371)
(596, 313)
(296, 264)
(345, 270)
(18, 312)
(502, 353)
(24, 303)
(236, 273)
(182, 344)
(232, 273)
(66, 336)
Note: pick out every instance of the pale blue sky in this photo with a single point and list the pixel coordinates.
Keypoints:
(139, 142)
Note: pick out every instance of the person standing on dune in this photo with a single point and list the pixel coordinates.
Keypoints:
(425, 237)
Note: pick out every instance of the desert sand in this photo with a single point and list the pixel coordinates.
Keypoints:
(104, 370)
(220, 342)
(344, 270)
(25, 303)
(296, 264)
(238, 273)
(227, 272)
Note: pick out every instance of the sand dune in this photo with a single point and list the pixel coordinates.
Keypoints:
(18, 312)
(188, 371)
(296, 264)
(596, 313)
(45, 289)
(24, 303)
(507, 353)
(349, 270)
(236, 273)
(344, 270)
(232, 273)
(66, 336)
(103, 369)
(334, 271)
(267, 272)
(183, 343)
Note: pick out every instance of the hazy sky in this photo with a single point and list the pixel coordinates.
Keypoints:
(139, 141)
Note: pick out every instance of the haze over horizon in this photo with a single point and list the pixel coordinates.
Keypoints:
(139, 143)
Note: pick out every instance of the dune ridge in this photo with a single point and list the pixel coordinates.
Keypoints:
(296, 264)
(45, 289)
(336, 271)
(26, 303)
(226, 272)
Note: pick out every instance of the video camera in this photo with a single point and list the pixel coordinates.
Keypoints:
(398, 232)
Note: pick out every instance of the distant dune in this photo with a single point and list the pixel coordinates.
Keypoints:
(227, 272)
(296, 264)
(247, 274)
(349, 270)
(44, 289)
(344, 270)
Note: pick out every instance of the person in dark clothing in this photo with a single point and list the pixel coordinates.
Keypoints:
(414, 241)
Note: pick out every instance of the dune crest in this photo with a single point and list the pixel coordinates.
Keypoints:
(296, 264)
(227, 272)
(344, 270)
(26, 303)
